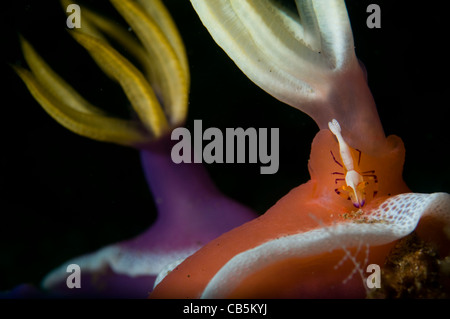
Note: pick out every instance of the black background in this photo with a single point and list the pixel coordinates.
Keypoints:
(62, 195)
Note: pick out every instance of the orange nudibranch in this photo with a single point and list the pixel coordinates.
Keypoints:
(307, 244)
(317, 239)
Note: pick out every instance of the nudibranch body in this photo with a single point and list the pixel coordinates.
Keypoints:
(191, 210)
(313, 242)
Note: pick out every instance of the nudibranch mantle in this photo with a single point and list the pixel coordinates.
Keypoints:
(293, 249)
(385, 224)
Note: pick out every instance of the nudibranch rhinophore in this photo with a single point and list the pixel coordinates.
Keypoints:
(321, 238)
(191, 210)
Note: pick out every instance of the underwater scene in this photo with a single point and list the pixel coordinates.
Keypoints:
(224, 149)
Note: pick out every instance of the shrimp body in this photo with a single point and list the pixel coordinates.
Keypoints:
(355, 184)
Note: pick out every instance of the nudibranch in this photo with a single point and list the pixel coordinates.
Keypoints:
(321, 238)
(191, 210)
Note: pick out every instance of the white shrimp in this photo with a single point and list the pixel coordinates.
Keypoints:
(353, 179)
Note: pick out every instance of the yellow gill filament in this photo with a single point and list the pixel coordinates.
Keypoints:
(162, 53)
(156, 11)
(134, 84)
(352, 178)
(53, 83)
(71, 110)
(171, 75)
(97, 26)
(98, 127)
